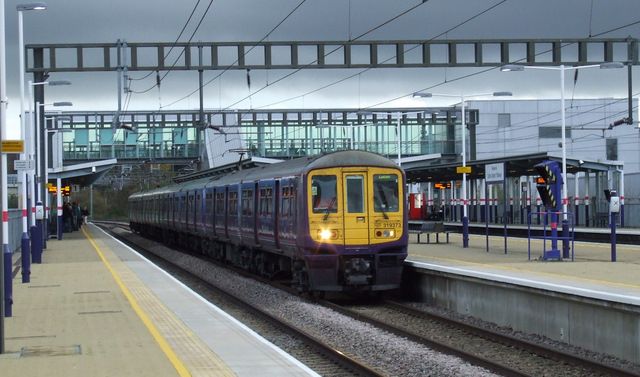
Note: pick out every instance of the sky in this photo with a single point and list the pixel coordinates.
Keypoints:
(84, 21)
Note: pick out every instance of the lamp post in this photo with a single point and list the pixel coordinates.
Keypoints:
(465, 217)
(40, 193)
(25, 247)
(58, 147)
(5, 260)
(40, 242)
(565, 197)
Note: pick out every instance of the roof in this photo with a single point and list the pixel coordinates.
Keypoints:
(83, 174)
(444, 167)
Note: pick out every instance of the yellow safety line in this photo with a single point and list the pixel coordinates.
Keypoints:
(162, 342)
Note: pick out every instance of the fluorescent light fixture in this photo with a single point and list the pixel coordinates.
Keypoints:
(422, 95)
(58, 82)
(512, 68)
(502, 94)
(31, 6)
(60, 104)
(611, 65)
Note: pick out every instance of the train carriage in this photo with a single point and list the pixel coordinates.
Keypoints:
(334, 222)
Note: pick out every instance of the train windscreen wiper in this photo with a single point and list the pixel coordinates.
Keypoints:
(383, 201)
(329, 208)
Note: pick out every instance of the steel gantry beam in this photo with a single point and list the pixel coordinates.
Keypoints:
(94, 57)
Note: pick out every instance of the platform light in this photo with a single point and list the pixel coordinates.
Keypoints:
(562, 68)
(31, 6)
(463, 123)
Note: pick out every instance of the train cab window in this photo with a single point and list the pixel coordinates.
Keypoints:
(355, 193)
(385, 193)
(324, 194)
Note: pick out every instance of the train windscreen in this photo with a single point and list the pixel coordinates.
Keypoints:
(385, 193)
(324, 194)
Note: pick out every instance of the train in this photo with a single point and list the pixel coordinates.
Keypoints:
(335, 222)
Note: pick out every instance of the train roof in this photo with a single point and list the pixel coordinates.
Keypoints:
(284, 169)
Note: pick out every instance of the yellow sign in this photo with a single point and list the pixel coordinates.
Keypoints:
(463, 169)
(52, 189)
(12, 146)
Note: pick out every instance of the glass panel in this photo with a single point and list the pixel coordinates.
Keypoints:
(355, 194)
(385, 193)
(323, 193)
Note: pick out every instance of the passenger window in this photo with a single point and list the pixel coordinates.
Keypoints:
(355, 194)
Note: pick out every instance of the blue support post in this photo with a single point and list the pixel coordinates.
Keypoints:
(613, 236)
(36, 244)
(59, 224)
(25, 257)
(8, 286)
(565, 238)
(465, 231)
(45, 232)
(40, 230)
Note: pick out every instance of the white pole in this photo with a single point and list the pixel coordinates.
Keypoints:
(6, 253)
(398, 137)
(465, 217)
(23, 156)
(564, 146)
(60, 226)
(46, 177)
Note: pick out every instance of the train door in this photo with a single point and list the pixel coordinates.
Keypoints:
(356, 219)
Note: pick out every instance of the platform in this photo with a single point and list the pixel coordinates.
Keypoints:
(590, 302)
(94, 307)
(591, 274)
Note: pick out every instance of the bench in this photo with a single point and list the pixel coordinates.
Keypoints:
(431, 227)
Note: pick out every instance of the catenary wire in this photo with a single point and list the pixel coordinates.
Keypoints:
(193, 11)
(236, 61)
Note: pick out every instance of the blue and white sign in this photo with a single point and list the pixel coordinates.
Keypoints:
(494, 172)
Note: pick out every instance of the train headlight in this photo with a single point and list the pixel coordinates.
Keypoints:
(327, 234)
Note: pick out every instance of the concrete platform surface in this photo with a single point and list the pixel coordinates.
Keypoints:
(96, 308)
(591, 274)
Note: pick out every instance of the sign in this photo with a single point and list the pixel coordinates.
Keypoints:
(12, 146)
(23, 164)
(463, 169)
(52, 189)
(494, 172)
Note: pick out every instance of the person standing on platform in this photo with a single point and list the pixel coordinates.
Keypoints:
(67, 217)
(85, 215)
(77, 220)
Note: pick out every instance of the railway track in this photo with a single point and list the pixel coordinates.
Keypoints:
(503, 354)
(313, 352)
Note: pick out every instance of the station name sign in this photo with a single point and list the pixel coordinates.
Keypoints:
(494, 172)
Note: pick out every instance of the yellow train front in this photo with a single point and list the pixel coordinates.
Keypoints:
(356, 236)
(335, 222)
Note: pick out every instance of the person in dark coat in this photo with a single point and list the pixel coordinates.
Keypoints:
(67, 217)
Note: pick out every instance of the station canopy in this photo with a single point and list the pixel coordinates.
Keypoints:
(437, 167)
(83, 174)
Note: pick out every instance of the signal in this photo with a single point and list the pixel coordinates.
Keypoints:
(549, 184)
